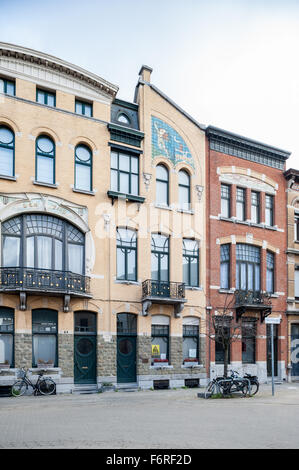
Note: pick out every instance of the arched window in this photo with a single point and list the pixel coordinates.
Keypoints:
(184, 190)
(83, 168)
(45, 160)
(44, 242)
(162, 185)
(126, 254)
(7, 151)
(160, 257)
(123, 118)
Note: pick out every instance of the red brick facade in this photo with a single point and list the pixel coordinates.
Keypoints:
(244, 173)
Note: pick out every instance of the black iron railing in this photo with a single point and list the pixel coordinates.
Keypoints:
(46, 280)
(252, 298)
(172, 290)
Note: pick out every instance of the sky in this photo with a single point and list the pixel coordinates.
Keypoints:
(229, 63)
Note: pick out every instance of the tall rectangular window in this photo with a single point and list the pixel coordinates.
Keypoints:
(83, 108)
(255, 207)
(269, 212)
(248, 266)
(6, 336)
(297, 282)
(46, 97)
(240, 206)
(296, 228)
(124, 173)
(225, 200)
(248, 340)
(191, 339)
(190, 263)
(270, 272)
(225, 266)
(126, 254)
(222, 335)
(160, 343)
(7, 87)
(44, 331)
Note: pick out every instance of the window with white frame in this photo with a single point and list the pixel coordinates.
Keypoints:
(240, 204)
(225, 200)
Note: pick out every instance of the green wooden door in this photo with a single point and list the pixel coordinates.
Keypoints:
(85, 356)
(126, 359)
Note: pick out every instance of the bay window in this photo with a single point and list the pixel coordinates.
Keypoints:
(124, 173)
(42, 242)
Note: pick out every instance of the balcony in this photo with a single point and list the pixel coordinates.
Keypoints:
(163, 292)
(252, 300)
(38, 281)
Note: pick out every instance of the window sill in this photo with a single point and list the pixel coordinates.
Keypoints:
(82, 191)
(10, 178)
(128, 197)
(163, 206)
(36, 369)
(200, 288)
(226, 291)
(186, 211)
(48, 185)
(161, 366)
(191, 365)
(248, 222)
(128, 283)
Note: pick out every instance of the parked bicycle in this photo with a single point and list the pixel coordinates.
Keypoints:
(45, 386)
(228, 385)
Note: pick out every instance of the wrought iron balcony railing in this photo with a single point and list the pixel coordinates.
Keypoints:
(252, 298)
(163, 289)
(43, 280)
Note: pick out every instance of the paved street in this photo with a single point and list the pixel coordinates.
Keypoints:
(152, 419)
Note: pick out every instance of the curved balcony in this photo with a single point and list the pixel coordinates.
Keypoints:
(171, 293)
(43, 281)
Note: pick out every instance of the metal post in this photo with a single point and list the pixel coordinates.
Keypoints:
(272, 356)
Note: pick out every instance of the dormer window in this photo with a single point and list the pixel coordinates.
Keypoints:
(123, 118)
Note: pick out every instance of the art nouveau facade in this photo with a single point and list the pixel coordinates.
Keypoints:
(102, 216)
(292, 179)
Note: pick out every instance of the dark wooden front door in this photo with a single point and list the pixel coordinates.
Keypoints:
(295, 350)
(126, 359)
(269, 359)
(85, 359)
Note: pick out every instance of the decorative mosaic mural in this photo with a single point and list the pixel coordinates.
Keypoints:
(168, 143)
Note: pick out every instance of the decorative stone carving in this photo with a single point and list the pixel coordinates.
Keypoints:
(147, 180)
(199, 191)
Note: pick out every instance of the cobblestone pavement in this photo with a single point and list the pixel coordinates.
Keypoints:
(168, 419)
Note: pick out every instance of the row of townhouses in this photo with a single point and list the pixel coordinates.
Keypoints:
(126, 226)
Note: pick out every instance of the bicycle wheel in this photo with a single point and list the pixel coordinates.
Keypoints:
(47, 386)
(254, 388)
(244, 389)
(210, 389)
(19, 388)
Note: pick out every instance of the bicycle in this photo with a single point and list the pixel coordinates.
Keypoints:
(45, 386)
(254, 383)
(218, 385)
(239, 384)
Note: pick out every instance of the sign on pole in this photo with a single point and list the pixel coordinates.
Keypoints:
(272, 321)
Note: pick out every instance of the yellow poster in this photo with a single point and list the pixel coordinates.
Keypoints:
(155, 349)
